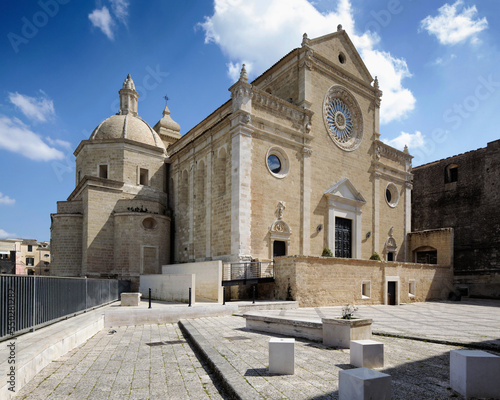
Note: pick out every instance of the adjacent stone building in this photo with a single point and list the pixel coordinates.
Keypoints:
(463, 192)
(291, 165)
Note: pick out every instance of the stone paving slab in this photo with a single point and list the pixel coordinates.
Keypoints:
(419, 370)
(123, 366)
(474, 323)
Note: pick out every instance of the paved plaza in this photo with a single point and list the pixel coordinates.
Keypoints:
(157, 361)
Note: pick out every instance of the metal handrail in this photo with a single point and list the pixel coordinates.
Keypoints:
(29, 302)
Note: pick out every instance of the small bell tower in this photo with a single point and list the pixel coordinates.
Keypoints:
(128, 98)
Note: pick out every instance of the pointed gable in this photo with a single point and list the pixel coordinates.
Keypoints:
(339, 50)
(345, 192)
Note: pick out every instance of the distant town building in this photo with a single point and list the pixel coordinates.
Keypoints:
(24, 257)
(463, 192)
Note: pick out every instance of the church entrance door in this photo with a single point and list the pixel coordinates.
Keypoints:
(279, 248)
(343, 234)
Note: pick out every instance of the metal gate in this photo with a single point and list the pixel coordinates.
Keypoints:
(343, 234)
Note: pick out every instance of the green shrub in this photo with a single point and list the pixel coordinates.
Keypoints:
(375, 256)
(327, 252)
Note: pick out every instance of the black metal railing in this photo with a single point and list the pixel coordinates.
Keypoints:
(29, 302)
(247, 272)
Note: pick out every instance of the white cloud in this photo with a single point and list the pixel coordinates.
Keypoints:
(5, 234)
(38, 109)
(101, 18)
(397, 100)
(262, 31)
(413, 141)
(6, 200)
(58, 142)
(455, 23)
(444, 60)
(17, 137)
(120, 9)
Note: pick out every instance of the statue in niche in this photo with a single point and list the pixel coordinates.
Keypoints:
(280, 209)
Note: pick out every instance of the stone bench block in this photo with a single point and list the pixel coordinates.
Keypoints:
(364, 384)
(282, 356)
(367, 353)
(130, 299)
(475, 373)
(339, 332)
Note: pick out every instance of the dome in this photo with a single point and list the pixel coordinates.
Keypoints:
(167, 122)
(127, 127)
(127, 124)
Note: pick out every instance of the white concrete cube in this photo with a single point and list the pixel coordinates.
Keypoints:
(475, 373)
(130, 299)
(364, 384)
(367, 353)
(282, 356)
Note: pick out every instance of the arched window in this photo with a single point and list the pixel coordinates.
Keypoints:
(200, 182)
(220, 173)
(184, 190)
(426, 255)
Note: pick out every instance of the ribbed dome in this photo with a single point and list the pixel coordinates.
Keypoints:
(127, 127)
(127, 124)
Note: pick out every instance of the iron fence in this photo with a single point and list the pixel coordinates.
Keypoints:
(247, 272)
(29, 302)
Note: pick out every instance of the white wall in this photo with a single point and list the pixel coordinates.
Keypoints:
(168, 287)
(208, 277)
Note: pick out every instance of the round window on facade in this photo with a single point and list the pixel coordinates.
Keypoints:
(277, 162)
(149, 223)
(391, 195)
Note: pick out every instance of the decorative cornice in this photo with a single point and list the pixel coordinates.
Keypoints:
(386, 151)
(300, 117)
(307, 60)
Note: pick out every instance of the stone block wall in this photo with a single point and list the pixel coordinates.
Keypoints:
(439, 239)
(66, 244)
(323, 281)
(469, 205)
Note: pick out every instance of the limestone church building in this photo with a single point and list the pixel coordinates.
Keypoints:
(292, 164)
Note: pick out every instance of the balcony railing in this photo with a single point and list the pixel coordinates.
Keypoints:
(247, 272)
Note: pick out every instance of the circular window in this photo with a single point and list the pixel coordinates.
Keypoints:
(342, 117)
(149, 223)
(277, 162)
(274, 164)
(342, 58)
(391, 195)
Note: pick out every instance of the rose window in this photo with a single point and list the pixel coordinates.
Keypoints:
(343, 118)
(339, 120)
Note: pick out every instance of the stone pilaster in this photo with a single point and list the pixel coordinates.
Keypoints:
(306, 201)
(305, 71)
(208, 203)
(241, 167)
(192, 176)
(376, 213)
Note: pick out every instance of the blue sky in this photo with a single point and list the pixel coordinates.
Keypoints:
(62, 63)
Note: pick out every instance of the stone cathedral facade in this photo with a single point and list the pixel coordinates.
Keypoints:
(290, 165)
